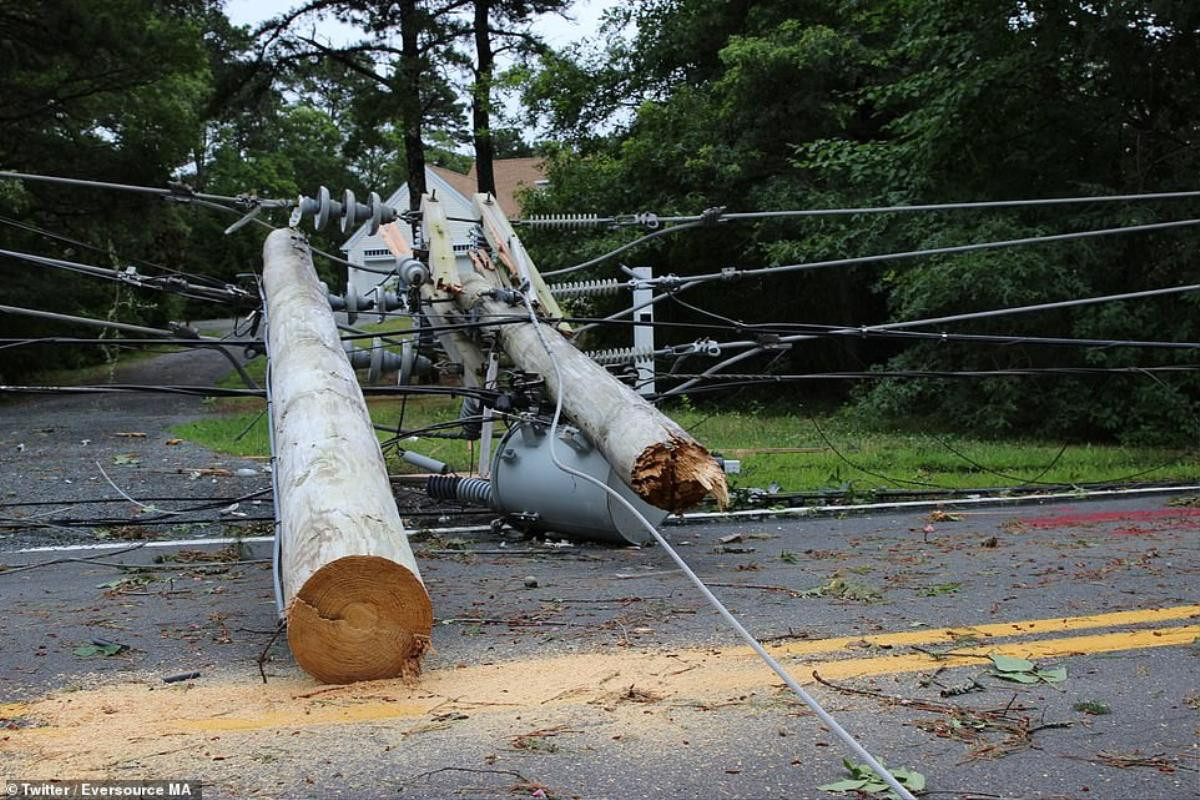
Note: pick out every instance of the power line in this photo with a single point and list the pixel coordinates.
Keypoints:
(818, 330)
(178, 190)
(617, 251)
(87, 246)
(1033, 203)
(756, 347)
(721, 215)
(221, 391)
(168, 284)
(85, 341)
(730, 380)
(732, 273)
(122, 326)
(714, 215)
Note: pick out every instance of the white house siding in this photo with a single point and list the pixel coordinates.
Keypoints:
(372, 251)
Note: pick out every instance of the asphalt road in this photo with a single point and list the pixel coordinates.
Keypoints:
(610, 678)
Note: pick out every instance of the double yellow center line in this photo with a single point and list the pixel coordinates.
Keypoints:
(543, 684)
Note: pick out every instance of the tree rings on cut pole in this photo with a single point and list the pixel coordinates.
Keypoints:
(360, 618)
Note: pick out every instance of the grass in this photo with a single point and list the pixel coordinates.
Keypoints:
(845, 451)
(840, 452)
(237, 426)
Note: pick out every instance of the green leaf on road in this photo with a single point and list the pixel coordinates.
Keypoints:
(846, 785)
(1052, 674)
(865, 781)
(90, 650)
(1010, 664)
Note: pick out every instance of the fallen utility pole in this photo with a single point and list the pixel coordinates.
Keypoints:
(355, 604)
(649, 452)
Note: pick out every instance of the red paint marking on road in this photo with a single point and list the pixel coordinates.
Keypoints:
(1167, 519)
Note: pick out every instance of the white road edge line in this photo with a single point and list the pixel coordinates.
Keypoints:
(800, 511)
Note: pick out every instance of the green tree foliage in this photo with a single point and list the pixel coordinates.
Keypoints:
(762, 105)
(108, 90)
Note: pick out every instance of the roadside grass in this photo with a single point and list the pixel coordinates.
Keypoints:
(220, 429)
(839, 451)
(842, 451)
(236, 425)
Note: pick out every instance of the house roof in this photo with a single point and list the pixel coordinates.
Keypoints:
(512, 175)
(463, 184)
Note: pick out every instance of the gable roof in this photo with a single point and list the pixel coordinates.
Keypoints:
(512, 175)
(463, 184)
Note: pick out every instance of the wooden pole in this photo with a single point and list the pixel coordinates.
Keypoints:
(652, 454)
(356, 607)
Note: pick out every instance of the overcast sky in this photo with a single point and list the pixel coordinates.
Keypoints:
(553, 28)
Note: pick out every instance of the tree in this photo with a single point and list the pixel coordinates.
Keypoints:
(414, 89)
(498, 26)
(761, 105)
(105, 90)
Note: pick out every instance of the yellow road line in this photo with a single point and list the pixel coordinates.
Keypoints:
(732, 672)
(574, 680)
(1034, 650)
(991, 630)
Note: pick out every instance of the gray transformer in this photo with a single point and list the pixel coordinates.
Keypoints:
(528, 486)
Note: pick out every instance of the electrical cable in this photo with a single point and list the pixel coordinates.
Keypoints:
(179, 191)
(842, 457)
(970, 205)
(752, 378)
(819, 331)
(164, 341)
(202, 293)
(216, 284)
(737, 274)
(221, 391)
(758, 347)
(627, 246)
(733, 622)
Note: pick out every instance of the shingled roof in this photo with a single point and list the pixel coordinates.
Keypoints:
(512, 175)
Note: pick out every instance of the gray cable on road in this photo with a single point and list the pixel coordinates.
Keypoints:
(733, 622)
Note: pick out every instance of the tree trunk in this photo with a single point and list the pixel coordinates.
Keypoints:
(481, 105)
(356, 607)
(409, 92)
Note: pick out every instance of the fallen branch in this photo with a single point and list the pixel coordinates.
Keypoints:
(968, 725)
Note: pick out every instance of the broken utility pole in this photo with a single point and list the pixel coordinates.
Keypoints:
(355, 604)
(650, 453)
